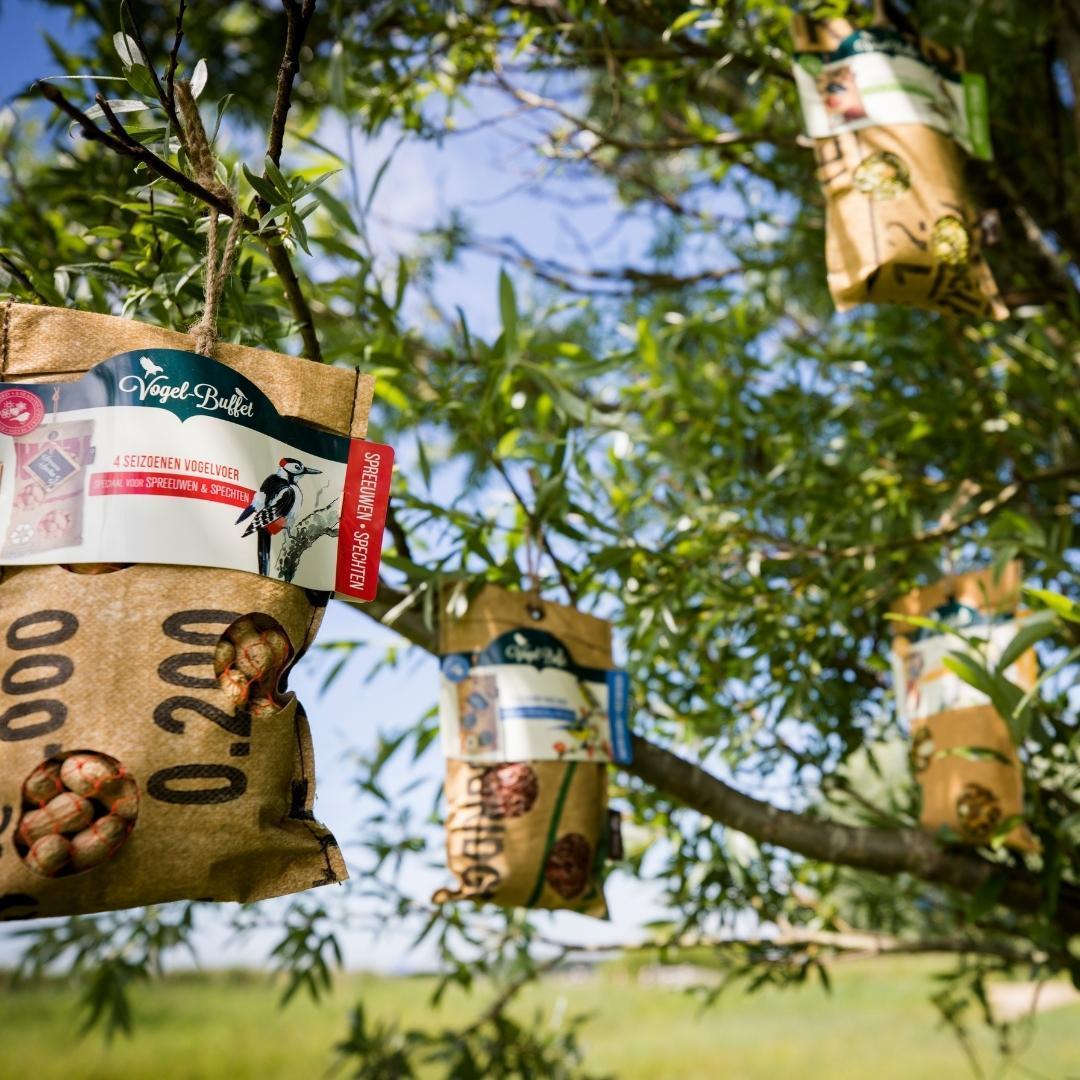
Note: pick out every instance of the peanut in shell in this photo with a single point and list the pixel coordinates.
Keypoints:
(67, 813)
(236, 685)
(125, 799)
(254, 656)
(224, 655)
(49, 854)
(43, 783)
(89, 774)
(261, 706)
(95, 845)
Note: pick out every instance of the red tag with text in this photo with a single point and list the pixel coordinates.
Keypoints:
(363, 518)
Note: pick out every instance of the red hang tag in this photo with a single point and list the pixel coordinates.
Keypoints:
(363, 518)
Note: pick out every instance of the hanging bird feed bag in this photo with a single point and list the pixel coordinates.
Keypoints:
(892, 116)
(530, 714)
(149, 747)
(962, 752)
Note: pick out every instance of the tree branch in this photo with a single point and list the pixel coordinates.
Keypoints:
(646, 146)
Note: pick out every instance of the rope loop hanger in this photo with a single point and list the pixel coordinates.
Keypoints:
(218, 268)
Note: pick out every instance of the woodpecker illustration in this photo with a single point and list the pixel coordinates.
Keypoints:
(276, 506)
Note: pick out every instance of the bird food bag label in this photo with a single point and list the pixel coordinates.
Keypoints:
(522, 698)
(167, 456)
(527, 831)
(877, 77)
(962, 752)
(890, 115)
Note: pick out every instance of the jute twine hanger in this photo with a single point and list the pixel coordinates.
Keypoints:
(218, 269)
(532, 572)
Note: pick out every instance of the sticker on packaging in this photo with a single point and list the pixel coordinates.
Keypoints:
(878, 78)
(926, 687)
(522, 698)
(165, 456)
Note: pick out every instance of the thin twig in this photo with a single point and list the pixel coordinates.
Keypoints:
(174, 57)
(165, 98)
(538, 529)
(298, 19)
(513, 988)
(133, 149)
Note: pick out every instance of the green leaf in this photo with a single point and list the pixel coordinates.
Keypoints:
(127, 48)
(263, 187)
(277, 177)
(1056, 603)
(509, 312)
(1003, 695)
(139, 78)
(687, 18)
(1035, 628)
(337, 210)
(118, 105)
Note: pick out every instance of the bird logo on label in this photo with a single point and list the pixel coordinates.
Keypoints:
(276, 506)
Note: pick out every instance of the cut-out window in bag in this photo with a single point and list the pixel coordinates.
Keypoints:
(962, 753)
(530, 712)
(78, 810)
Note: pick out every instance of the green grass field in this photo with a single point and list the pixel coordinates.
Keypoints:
(877, 1024)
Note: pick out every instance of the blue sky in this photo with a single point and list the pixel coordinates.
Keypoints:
(488, 176)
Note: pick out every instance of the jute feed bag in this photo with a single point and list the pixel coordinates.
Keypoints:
(149, 748)
(962, 753)
(900, 226)
(527, 834)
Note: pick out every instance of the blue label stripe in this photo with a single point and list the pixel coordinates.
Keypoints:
(618, 684)
(537, 712)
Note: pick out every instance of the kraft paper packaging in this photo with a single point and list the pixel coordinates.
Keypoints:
(138, 762)
(900, 227)
(973, 792)
(526, 834)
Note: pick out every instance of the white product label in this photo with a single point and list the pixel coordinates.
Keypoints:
(165, 456)
(925, 687)
(876, 78)
(523, 699)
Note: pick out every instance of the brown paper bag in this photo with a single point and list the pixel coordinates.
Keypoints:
(900, 227)
(974, 791)
(121, 666)
(527, 834)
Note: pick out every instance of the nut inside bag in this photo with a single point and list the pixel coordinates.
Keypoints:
(891, 115)
(962, 752)
(150, 749)
(530, 713)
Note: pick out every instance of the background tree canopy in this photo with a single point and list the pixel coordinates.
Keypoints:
(697, 445)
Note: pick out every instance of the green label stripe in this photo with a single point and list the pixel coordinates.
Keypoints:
(978, 115)
(553, 831)
(915, 89)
